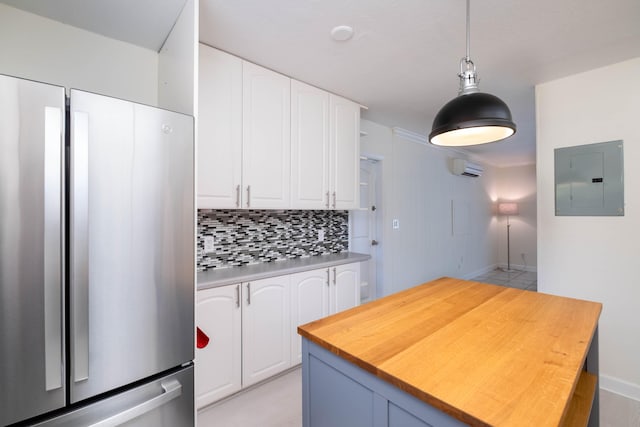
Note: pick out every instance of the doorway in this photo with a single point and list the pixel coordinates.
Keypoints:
(366, 227)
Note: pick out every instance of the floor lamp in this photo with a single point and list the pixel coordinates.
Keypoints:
(508, 209)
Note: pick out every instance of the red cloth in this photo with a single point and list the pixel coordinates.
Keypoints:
(202, 338)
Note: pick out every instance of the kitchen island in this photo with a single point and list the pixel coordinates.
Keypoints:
(454, 352)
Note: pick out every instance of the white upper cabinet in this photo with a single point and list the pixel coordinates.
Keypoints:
(266, 130)
(309, 147)
(268, 142)
(325, 149)
(219, 130)
(344, 143)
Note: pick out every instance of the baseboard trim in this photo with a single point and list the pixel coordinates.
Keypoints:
(621, 387)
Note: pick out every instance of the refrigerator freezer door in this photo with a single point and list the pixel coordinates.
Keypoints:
(31, 230)
(131, 242)
(166, 402)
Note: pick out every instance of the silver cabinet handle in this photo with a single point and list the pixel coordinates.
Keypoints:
(249, 293)
(327, 277)
(248, 196)
(238, 196)
(334, 275)
(79, 241)
(327, 204)
(334, 200)
(171, 389)
(53, 231)
(237, 296)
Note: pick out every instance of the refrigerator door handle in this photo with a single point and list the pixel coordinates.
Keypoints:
(171, 389)
(53, 152)
(80, 246)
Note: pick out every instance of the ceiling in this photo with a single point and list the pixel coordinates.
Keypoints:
(403, 59)
(145, 23)
(404, 56)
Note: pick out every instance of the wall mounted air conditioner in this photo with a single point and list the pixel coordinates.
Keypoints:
(466, 168)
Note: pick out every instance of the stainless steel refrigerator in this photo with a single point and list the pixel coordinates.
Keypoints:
(96, 260)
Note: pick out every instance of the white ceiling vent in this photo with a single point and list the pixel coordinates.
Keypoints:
(466, 168)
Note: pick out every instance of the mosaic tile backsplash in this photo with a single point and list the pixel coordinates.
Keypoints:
(243, 237)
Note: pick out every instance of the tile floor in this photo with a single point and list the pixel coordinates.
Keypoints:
(526, 280)
(276, 403)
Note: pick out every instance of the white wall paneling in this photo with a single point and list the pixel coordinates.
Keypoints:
(419, 191)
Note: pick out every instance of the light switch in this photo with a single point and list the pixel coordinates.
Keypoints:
(396, 224)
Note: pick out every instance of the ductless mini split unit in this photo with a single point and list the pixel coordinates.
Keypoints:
(466, 168)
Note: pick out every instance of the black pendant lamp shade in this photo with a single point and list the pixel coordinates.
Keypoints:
(473, 117)
(470, 119)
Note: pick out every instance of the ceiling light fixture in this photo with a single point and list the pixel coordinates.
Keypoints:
(472, 117)
(342, 33)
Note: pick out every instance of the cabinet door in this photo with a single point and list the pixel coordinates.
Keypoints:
(218, 369)
(266, 329)
(345, 287)
(219, 130)
(309, 147)
(266, 141)
(309, 302)
(344, 152)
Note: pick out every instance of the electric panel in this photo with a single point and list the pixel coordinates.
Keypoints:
(589, 180)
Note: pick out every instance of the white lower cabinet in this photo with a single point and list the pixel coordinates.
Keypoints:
(309, 302)
(218, 365)
(252, 326)
(266, 335)
(345, 287)
(319, 293)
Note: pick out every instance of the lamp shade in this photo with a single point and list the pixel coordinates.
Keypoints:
(508, 208)
(472, 119)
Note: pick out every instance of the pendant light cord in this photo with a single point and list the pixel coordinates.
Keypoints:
(468, 76)
(468, 58)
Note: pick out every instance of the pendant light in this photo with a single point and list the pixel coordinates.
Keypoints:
(472, 117)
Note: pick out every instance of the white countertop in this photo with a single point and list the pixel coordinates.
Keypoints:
(227, 276)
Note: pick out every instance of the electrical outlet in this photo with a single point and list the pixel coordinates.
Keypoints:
(396, 224)
(320, 235)
(208, 244)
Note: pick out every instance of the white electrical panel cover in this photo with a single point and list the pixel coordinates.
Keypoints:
(589, 180)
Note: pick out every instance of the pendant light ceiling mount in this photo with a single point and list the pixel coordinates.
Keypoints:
(472, 117)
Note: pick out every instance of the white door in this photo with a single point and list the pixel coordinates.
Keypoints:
(345, 287)
(309, 147)
(309, 302)
(344, 143)
(218, 369)
(219, 130)
(266, 140)
(364, 223)
(266, 329)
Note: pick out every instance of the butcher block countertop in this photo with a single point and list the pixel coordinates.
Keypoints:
(485, 354)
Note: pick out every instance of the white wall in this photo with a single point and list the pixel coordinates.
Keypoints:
(518, 184)
(595, 258)
(178, 63)
(418, 190)
(41, 49)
